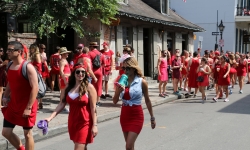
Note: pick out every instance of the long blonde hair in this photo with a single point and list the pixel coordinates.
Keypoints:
(34, 55)
(132, 62)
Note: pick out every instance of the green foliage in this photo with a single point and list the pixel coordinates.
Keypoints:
(47, 15)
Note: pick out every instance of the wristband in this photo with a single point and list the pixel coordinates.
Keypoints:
(152, 118)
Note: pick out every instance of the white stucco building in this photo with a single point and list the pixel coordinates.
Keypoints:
(204, 13)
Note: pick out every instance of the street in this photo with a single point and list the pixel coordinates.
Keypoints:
(181, 125)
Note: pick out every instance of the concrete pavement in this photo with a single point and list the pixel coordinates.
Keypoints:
(59, 124)
(184, 124)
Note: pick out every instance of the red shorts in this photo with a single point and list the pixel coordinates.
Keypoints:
(62, 84)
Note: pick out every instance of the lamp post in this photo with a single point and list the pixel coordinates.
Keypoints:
(221, 28)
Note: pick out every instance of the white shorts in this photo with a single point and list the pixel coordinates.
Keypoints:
(105, 77)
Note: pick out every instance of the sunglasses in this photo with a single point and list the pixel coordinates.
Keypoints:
(11, 49)
(79, 47)
(78, 71)
(126, 68)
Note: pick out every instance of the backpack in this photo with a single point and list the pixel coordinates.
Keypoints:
(97, 61)
(41, 84)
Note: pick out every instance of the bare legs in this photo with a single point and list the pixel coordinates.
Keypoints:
(53, 79)
(16, 142)
(241, 81)
(202, 90)
(79, 146)
(130, 138)
(175, 83)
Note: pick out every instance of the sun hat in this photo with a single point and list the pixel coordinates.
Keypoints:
(43, 126)
(63, 50)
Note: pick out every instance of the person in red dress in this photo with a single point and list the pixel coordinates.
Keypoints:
(3, 74)
(176, 75)
(85, 59)
(193, 64)
(242, 71)
(107, 68)
(81, 97)
(55, 69)
(224, 78)
(233, 71)
(162, 66)
(97, 71)
(45, 69)
(35, 58)
(131, 118)
(184, 72)
(203, 70)
(19, 100)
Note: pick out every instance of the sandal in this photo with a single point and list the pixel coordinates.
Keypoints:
(161, 95)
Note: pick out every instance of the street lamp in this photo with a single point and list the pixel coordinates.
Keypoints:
(221, 28)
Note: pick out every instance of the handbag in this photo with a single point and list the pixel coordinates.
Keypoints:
(200, 79)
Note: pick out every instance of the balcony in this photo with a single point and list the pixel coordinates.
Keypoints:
(243, 11)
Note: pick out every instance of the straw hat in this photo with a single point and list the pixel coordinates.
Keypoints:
(93, 44)
(63, 50)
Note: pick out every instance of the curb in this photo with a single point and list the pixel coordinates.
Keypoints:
(5, 145)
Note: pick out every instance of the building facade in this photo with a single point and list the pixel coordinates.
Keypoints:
(204, 14)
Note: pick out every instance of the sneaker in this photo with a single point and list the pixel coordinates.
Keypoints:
(215, 99)
(226, 100)
(230, 92)
(203, 101)
(161, 95)
(98, 104)
(107, 95)
(103, 96)
(240, 91)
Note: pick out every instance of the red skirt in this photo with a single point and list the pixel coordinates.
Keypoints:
(132, 118)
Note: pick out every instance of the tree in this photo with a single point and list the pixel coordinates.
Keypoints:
(47, 15)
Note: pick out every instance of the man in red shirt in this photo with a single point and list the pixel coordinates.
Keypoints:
(108, 62)
(19, 100)
(25, 54)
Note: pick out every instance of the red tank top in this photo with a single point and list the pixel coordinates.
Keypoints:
(55, 58)
(20, 93)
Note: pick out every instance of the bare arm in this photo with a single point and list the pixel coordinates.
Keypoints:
(38, 58)
(33, 80)
(148, 102)
(118, 91)
(158, 66)
(58, 109)
(228, 70)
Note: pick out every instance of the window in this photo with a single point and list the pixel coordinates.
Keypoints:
(164, 6)
(25, 28)
(126, 35)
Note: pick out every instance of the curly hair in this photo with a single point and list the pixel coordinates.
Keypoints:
(33, 55)
(72, 82)
(132, 62)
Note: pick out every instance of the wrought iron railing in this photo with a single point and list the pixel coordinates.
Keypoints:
(243, 11)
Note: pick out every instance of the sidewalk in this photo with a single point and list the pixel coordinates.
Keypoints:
(107, 111)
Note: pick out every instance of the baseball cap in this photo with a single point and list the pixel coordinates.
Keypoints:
(80, 45)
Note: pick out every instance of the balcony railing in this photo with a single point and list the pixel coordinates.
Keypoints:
(243, 11)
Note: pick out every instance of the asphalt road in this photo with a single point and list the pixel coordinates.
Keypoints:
(181, 125)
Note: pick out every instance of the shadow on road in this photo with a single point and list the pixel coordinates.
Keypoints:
(239, 107)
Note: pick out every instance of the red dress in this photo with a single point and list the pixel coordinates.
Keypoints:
(193, 74)
(132, 117)
(242, 69)
(185, 64)
(97, 72)
(55, 68)
(221, 80)
(38, 66)
(67, 71)
(216, 73)
(80, 120)
(205, 79)
(20, 94)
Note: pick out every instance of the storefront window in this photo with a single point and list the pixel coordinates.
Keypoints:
(126, 35)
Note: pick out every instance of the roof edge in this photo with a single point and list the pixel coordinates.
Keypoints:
(152, 20)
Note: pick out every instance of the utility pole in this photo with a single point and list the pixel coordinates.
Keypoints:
(216, 45)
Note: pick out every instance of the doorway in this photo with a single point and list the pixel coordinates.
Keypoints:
(147, 51)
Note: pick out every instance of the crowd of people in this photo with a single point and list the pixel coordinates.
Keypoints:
(80, 83)
(215, 70)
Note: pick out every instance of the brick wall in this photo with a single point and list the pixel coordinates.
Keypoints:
(26, 38)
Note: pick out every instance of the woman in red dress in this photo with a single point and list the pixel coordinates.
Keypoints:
(3, 74)
(242, 71)
(184, 71)
(193, 64)
(81, 97)
(203, 70)
(131, 117)
(233, 71)
(224, 78)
